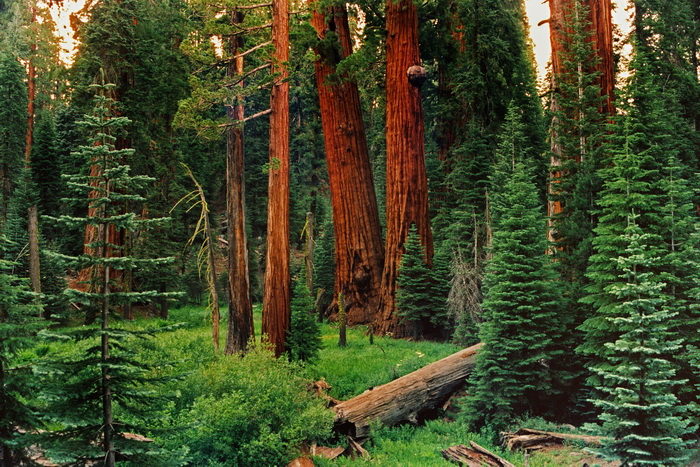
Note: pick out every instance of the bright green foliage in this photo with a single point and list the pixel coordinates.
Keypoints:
(19, 324)
(422, 290)
(13, 109)
(249, 410)
(105, 363)
(520, 310)
(304, 335)
(639, 411)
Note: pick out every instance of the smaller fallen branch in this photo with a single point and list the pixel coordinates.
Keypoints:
(527, 439)
(474, 456)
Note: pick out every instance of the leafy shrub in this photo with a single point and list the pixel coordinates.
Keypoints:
(249, 410)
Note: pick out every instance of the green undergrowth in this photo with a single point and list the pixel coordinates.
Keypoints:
(257, 410)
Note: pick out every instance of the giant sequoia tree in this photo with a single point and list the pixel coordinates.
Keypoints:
(358, 243)
(406, 180)
(276, 299)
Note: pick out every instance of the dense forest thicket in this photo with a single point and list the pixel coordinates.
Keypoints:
(205, 190)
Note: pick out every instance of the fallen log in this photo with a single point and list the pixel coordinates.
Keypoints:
(527, 439)
(405, 399)
(474, 456)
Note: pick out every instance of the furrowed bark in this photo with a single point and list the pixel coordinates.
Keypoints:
(276, 306)
(405, 399)
(406, 180)
(359, 252)
(240, 322)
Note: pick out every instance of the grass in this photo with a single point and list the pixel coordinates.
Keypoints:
(350, 371)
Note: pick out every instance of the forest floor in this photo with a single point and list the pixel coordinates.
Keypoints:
(360, 365)
(352, 370)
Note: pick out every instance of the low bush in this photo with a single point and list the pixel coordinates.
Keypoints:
(247, 410)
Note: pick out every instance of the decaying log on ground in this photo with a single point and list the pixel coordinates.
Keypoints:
(474, 456)
(528, 439)
(407, 398)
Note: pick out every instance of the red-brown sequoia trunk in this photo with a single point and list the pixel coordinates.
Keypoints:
(359, 252)
(560, 30)
(406, 181)
(240, 312)
(276, 309)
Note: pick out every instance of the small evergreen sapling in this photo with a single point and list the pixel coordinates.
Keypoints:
(304, 335)
(421, 298)
(100, 393)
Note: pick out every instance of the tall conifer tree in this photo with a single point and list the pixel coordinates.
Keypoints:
(106, 383)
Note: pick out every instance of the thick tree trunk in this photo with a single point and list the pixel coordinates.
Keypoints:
(276, 307)
(240, 311)
(601, 26)
(407, 398)
(359, 252)
(406, 181)
(32, 212)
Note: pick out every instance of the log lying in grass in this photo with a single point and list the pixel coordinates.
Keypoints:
(474, 456)
(527, 439)
(406, 398)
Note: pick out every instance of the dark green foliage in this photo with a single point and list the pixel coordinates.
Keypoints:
(521, 326)
(422, 290)
(104, 363)
(46, 168)
(13, 110)
(324, 260)
(19, 323)
(304, 335)
(249, 410)
(640, 414)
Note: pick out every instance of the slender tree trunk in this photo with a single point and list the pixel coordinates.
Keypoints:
(240, 311)
(214, 294)
(107, 418)
(309, 253)
(32, 212)
(276, 307)
(359, 251)
(406, 181)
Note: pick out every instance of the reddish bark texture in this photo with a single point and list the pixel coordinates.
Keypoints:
(406, 181)
(276, 307)
(240, 321)
(359, 251)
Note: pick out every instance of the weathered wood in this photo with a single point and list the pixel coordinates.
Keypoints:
(405, 398)
(474, 456)
(528, 439)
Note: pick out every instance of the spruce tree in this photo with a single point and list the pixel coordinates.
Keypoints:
(521, 308)
(99, 396)
(304, 335)
(421, 298)
(13, 121)
(19, 324)
(644, 421)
